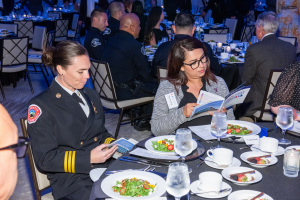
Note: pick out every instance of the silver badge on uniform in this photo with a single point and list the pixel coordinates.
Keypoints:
(107, 31)
(143, 50)
(95, 42)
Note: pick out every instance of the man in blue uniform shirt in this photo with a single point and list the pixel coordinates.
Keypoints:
(94, 41)
(116, 10)
(129, 67)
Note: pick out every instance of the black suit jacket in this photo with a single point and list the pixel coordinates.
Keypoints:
(260, 58)
(62, 137)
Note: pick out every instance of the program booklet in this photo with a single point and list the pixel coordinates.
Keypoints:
(208, 101)
(124, 145)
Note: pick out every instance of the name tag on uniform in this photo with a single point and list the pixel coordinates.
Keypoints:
(171, 100)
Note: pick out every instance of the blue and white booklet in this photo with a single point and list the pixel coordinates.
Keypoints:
(208, 101)
(124, 145)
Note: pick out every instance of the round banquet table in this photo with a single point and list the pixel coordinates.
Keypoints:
(273, 183)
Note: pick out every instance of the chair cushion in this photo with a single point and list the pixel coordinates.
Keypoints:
(267, 116)
(35, 59)
(59, 39)
(34, 52)
(47, 196)
(126, 103)
(14, 68)
(71, 33)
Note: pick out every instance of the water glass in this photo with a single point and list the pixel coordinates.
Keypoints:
(183, 144)
(219, 125)
(165, 39)
(284, 120)
(178, 180)
(291, 162)
(229, 38)
(245, 45)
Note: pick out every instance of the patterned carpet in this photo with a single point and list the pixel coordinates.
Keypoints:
(16, 104)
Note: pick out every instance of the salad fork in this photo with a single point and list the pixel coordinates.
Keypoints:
(142, 169)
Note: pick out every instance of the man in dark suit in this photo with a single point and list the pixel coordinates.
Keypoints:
(184, 27)
(260, 58)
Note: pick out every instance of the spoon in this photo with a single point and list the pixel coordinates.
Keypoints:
(216, 192)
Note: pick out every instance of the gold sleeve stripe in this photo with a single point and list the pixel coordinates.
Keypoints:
(73, 162)
(69, 161)
(66, 162)
(108, 140)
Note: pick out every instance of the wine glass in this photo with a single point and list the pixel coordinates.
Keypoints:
(183, 143)
(219, 125)
(284, 120)
(229, 38)
(178, 180)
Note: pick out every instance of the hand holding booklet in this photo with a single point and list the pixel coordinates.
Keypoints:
(208, 101)
(124, 146)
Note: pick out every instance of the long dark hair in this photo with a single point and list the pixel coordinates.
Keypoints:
(153, 18)
(177, 56)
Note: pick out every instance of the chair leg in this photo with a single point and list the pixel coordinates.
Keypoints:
(41, 66)
(29, 81)
(44, 67)
(119, 123)
(2, 91)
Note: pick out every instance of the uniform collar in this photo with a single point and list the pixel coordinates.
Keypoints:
(95, 30)
(66, 89)
(181, 36)
(124, 33)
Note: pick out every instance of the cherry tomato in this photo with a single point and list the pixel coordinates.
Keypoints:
(146, 187)
(228, 130)
(170, 147)
(122, 191)
(164, 141)
(238, 130)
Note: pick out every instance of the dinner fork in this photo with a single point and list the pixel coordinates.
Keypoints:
(142, 169)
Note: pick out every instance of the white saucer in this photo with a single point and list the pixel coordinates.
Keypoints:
(246, 194)
(233, 170)
(279, 152)
(212, 195)
(235, 163)
(297, 147)
(96, 173)
(244, 156)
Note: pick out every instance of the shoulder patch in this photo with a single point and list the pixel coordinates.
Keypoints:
(34, 112)
(107, 31)
(95, 42)
(143, 50)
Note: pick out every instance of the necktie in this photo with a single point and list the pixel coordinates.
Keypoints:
(77, 98)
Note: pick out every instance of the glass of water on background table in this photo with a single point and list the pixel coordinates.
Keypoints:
(183, 143)
(291, 162)
(284, 120)
(219, 125)
(178, 180)
(229, 38)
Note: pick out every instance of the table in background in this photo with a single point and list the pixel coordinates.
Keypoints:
(273, 183)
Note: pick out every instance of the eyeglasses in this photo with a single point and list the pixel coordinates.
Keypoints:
(196, 64)
(20, 148)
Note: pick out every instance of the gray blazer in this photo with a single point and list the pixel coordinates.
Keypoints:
(260, 58)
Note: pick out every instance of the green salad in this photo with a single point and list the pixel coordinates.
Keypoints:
(164, 145)
(233, 59)
(237, 130)
(134, 187)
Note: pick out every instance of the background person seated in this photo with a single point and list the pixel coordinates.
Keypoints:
(188, 73)
(116, 10)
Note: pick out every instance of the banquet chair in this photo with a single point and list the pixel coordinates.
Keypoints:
(14, 58)
(247, 33)
(162, 73)
(61, 30)
(265, 114)
(231, 24)
(25, 28)
(73, 31)
(216, 37)
(35, 55)
(10, 27)
(103, 84)
(219, 31)
(292, 40)
(40, 180)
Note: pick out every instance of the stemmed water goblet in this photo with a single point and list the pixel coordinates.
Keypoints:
(183, 143)
(219, 125)
(178, 180)
(284, 120)
(229, 38)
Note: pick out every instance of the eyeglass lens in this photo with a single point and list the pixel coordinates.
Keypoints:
(21, 150)
(197, 63)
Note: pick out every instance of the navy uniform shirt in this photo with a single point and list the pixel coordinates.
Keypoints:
(113, 27)
(94, 42)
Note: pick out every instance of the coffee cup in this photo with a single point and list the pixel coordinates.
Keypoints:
(210, 181)
(268, 144)
(221, 156)
(233, 45)
(224, 55)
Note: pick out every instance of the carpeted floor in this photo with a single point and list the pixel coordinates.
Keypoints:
(16, 104)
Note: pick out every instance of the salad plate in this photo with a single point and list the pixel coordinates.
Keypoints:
(210, 195)
(247, 194)
(235, 163)
(149, 145)
(272, 159)
(279, 152)
(257, 176)
(110, 181)
(96, 173)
